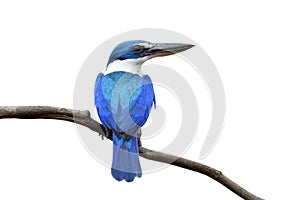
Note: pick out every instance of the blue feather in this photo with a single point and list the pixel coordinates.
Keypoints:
(124, 101)
(126, 164)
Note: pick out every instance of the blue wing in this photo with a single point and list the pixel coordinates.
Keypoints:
(124, 100)
(103, 108)
(141, 102)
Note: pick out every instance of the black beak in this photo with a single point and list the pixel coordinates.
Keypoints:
(165, 49)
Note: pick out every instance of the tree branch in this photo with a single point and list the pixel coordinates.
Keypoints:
(83, 118)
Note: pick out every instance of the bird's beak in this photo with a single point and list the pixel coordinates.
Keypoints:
(165, 49)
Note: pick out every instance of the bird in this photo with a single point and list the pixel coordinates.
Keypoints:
(124, 97)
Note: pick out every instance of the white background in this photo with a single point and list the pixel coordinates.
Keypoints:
(254, 44)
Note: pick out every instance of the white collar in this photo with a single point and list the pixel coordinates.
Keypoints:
(129, 65)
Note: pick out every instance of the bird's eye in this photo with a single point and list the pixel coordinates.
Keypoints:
(138, 48)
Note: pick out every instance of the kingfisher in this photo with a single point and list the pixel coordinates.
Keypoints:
(124, 96)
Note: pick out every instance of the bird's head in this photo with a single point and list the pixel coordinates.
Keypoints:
(132, 54)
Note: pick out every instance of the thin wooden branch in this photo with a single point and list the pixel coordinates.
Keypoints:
(83, 118)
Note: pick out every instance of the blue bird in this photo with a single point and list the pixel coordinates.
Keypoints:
(124, 97)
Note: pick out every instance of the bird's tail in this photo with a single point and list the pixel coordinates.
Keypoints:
(126, 163)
